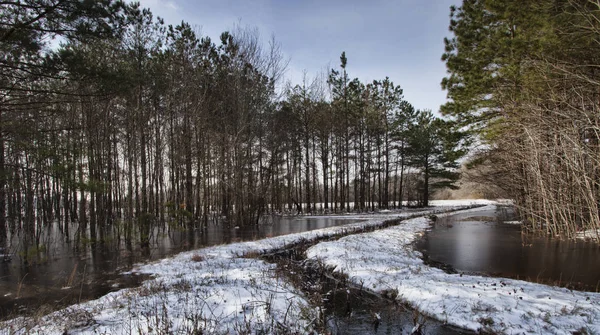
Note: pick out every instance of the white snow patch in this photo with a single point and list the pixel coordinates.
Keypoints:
(467, 202)
(591, 234)
(513, 222)
(385, 260)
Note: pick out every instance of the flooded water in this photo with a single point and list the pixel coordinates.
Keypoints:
(59, 272)
(353, 311)
(483, 243)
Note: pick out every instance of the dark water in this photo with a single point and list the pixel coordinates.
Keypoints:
(355, 311)
(346, 308)
(60, 272)
(481, 242)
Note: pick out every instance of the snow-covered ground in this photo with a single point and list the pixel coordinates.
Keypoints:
(384, 261)
(217, 290)
(214, 296)
(467, 202)
(513, 222)
(591, 234)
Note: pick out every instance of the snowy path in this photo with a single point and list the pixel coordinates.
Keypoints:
(215, 290)
(384, 261)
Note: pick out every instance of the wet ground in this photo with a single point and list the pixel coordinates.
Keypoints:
(486, 244)
(346, 308)
(60, 272)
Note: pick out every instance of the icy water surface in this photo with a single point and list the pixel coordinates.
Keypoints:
(484, 243)
(60, 272)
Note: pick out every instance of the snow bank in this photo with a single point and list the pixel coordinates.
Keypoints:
(466, 202)
(384, 261)
(591, 234)
(513, 222)
(214, 290)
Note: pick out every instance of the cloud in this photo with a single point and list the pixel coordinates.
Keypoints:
(171, 5)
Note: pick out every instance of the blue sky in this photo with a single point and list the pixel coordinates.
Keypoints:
(402, 39)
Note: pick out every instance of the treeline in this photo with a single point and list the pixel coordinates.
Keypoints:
(133, 122)
(524, 75)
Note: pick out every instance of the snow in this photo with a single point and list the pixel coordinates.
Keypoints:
(385, 261)
(513, 222)
(219, 295)
(216, 289)
(590, 234)
(466, 202)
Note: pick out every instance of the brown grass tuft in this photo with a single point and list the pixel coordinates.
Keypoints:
(197, 258)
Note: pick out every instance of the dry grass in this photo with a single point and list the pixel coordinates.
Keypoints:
(197, 258)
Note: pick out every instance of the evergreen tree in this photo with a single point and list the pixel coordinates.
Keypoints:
(388, 100)
(339, 85)
(433, 149)
(522, 77)
(402, 119)
(485, 59)
(31, 75)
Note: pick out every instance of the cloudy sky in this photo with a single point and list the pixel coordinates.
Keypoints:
(402, 39)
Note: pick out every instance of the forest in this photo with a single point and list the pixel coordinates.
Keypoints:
(523, 77)
(111, 118)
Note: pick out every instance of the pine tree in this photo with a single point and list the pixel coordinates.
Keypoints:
(522, 77)
(388, 100)
(32, 75)
(339, 84)
(402, 119)
(485, 59)
(433, 149)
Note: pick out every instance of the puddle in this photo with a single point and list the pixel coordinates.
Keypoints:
(469, 243)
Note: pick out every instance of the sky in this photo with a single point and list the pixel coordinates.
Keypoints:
(400, 39)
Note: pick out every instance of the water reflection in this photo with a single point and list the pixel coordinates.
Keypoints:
(60, 271)
(484, 244)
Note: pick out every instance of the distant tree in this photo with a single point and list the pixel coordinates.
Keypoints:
(402, 119)
(302, 101)
(339, 85)
(324, 133)
(433, 150)
(388, 101)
